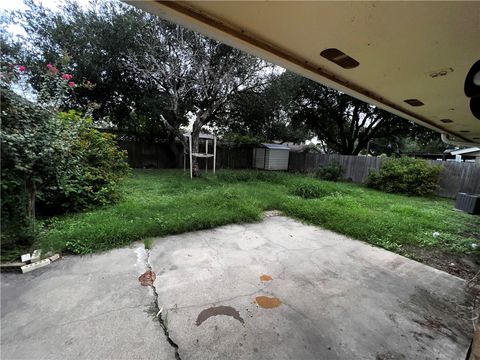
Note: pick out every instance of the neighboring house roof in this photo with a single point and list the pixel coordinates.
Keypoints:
(275, 146)
(465, 151)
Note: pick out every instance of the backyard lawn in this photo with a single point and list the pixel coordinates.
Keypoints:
(161, 202)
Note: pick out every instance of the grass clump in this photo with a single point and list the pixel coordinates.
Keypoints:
(232, 176)
(309, 189)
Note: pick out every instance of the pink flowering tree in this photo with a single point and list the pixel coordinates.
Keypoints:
(36, 142)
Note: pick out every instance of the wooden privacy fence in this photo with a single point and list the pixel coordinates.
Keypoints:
(161, 155)
(455, 177)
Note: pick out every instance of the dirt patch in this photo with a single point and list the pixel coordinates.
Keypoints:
(218, 310)
(147, 278)
(267, 302)
(464, 266)
(265, 278)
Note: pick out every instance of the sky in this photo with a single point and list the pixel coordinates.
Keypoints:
(9, 5)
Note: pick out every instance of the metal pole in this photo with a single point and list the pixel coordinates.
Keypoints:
(190, 149)
(214, 152)
(206, 158)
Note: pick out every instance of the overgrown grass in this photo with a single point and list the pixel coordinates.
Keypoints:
(157, 203)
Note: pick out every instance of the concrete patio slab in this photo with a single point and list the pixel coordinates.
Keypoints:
(89, 307)
(339, 298)
(277, 289)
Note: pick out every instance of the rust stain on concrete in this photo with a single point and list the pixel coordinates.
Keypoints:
(265, 278)
(268, 302)
(218, 310)
(147, 278)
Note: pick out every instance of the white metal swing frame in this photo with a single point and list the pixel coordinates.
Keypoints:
(204, 155)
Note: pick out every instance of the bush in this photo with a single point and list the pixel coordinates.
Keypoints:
(95, 165)
(331, 172)
(52, 162)
(34, 149)
(407, 176)
(309, 189)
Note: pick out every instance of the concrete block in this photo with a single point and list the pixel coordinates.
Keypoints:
(36, 265)
(54, 257)
(36, 255)
(26, 257)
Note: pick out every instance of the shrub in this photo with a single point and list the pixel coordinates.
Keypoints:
(331, 172)
(54, 160)
(309, 189)
(34, 149)
(407, 176)
(94, 166)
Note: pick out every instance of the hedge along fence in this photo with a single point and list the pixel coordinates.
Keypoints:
(456, 176)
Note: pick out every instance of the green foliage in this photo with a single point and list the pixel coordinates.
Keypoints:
(406, 176)
(331, 172)
(308, 190)
(237, 139)
(161, 202)
(54, 159)
(34, 151)
(95, 165)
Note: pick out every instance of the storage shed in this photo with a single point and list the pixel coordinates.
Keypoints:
(271, 157)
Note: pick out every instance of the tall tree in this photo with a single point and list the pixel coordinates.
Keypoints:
(263, 113)
(94, 39)
(344, 124)
(197, 75)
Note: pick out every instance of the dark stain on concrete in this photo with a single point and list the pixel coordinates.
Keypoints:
(218, 310)
(147, 278)
(268, 302)
(440, 314)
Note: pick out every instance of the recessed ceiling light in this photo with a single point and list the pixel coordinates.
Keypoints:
(464, 131)
(446, 121)
(414, 102)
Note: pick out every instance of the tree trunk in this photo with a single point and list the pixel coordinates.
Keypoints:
(195, 148)
(172, 144)
(31, 193)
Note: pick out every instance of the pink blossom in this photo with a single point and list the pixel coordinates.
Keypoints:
(67, 77)
(49, 66)
(22, 68)
(71, 84)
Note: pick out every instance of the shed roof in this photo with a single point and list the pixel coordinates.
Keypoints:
(275, 146)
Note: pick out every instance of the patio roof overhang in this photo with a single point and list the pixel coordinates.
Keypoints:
(409, 58)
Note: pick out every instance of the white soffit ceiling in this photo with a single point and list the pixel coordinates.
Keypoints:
(400, 47)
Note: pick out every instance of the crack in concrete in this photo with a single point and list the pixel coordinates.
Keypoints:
(161, 320)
